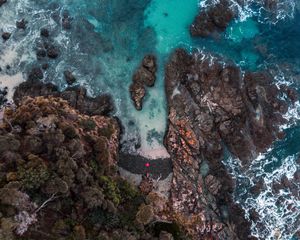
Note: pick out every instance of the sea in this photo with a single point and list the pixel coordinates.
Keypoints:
(109, 38)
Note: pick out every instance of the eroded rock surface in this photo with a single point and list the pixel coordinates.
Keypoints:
(144, 76)
(213, 106)
(212, 20)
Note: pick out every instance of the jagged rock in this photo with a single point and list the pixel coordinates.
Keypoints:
(144, 76)
(212, 20)
(137, 92)
(210, 104)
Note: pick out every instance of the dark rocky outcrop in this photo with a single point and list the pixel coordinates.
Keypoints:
(6, 36)
(21, 24)
(2, 2)
(76, 96)
(213, 106)
(45, 32)
(212, 20)
(144, 76)
(3, 93)
(69, 77)
(66, 21)
(52, 51)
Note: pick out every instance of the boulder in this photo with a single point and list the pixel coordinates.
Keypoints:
(6, 36)
(69, 77)
(21, 24)
(144, 76)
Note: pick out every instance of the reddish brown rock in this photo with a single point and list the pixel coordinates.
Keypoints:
(211, 104)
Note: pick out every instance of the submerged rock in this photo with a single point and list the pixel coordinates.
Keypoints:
(144, 76)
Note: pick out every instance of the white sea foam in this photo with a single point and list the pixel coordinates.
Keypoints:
(258, 8)
(11, 82)
(278, 212)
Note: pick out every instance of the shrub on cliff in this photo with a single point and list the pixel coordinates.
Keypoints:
(58, 178)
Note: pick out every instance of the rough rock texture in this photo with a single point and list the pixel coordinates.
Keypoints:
(58, 177)
(144, 76)
(76, 96)
(213, 106)
(212, 20)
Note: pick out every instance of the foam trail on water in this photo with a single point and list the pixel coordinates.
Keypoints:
(265, 11)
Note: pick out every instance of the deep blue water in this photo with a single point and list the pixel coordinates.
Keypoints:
(109, 38)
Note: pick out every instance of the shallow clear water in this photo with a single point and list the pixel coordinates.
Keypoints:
(109, 38)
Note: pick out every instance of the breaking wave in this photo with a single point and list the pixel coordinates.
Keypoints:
(264, 10)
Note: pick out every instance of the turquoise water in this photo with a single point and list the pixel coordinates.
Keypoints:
(171, 19)
(109, 38)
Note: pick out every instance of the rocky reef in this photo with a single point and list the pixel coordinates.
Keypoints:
(58, 177)
(214, 107)
(212, 20)
(144, 76)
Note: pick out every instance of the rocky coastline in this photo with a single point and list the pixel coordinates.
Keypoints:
(60, 154)
(213, 106)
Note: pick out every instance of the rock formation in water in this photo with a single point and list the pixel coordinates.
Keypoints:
(213, 107)
(144, 76)
(212, 20)
(58, 177)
